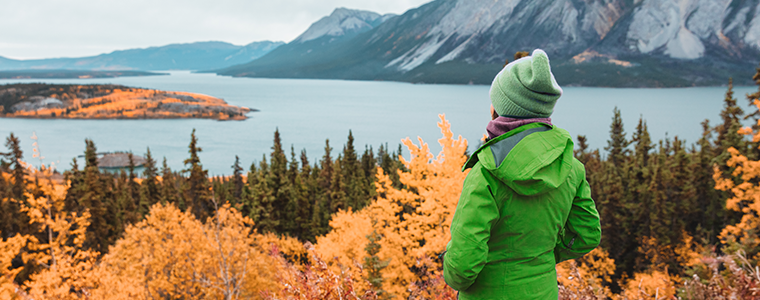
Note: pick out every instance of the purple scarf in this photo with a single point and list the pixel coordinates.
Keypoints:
(502, 125)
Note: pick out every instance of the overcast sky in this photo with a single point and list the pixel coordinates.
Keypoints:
(71, 28)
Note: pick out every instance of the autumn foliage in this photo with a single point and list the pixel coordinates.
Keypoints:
(111, 102)
(359, 228)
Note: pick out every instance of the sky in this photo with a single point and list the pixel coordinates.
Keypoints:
(31, 29)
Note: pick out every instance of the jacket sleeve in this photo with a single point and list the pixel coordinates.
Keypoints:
(582, 231)
(467, 252)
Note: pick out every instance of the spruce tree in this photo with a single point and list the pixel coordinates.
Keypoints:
(126, 211)
(263, 199)
(149, 188)
(197, 192)
(237, 182)
(299, 206)
(729, 137)
(352, 176)
(294, 193)
(617, 145)
(169, 187)
(728, 130)
(322, 204)
(97, 237)
(76, 190)
(707, 221)
(15, 157)
(246, 205)
(277, 180)
(134, 190)
(338, 197)
(12, 219)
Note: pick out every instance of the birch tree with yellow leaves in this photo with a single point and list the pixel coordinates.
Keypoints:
(412, 222)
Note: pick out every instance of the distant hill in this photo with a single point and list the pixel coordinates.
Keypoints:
(193, 56)
(23, 74)
(655, 43)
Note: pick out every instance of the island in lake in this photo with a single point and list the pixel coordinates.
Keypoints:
(97, 101)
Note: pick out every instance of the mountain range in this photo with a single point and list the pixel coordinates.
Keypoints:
(192, 56)
(618, 43)
(655, 43)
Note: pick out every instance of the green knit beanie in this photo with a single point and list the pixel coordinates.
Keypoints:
(526, 88)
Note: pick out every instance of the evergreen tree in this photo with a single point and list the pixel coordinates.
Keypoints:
(353, 176)
(263, 201)
(390, 164)
(197, 192)
(97, 237)
(15, 157)
(75, 192)
(125, 211)
(133, 189)
(278, 183)
(237, 182)
(728, 130)
(729, 137)
(323, 174)
(12, 219)
(299, 206)
(617, 146)
(290, 224)
(707, 221)
(169, 187)
(149, 189)
(338, 198)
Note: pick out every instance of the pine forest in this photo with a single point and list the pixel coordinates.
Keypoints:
(679, 221)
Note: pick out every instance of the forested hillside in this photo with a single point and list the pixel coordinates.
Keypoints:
(107, 101)
(678, 221)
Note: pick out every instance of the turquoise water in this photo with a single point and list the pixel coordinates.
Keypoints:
(307, 112)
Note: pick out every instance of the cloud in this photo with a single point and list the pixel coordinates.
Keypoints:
(54, 28)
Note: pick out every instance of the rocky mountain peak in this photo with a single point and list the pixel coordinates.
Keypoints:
(342, 21)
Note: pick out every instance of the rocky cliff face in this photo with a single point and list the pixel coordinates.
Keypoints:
(488, 31)
(469, 40)
(342, 22)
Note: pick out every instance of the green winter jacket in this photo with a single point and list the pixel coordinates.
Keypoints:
(525, 206)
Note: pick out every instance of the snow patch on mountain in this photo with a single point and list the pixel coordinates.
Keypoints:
(685, 45)
(470, 17)
(418, 55)
(342, 21)
(455, 53)
(707, 19)
(467, 19)
(752, 37)
(662, 23)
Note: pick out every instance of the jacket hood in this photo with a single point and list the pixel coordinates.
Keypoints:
(531, 159)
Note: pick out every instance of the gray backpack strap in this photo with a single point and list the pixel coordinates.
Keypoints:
(502, 148)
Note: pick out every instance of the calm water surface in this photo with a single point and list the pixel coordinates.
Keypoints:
(307, 112)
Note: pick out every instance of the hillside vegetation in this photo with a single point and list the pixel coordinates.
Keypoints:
(678, 221)
(110, 102)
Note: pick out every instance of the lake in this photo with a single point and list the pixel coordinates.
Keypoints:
(307, 112)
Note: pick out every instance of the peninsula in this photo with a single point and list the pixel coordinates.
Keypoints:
(59, 101)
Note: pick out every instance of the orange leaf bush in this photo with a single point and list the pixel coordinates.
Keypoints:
(413, 222)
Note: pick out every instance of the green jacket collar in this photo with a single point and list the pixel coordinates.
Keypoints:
(474, 157)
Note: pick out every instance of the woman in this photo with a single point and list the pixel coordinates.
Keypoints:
(526, 204)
